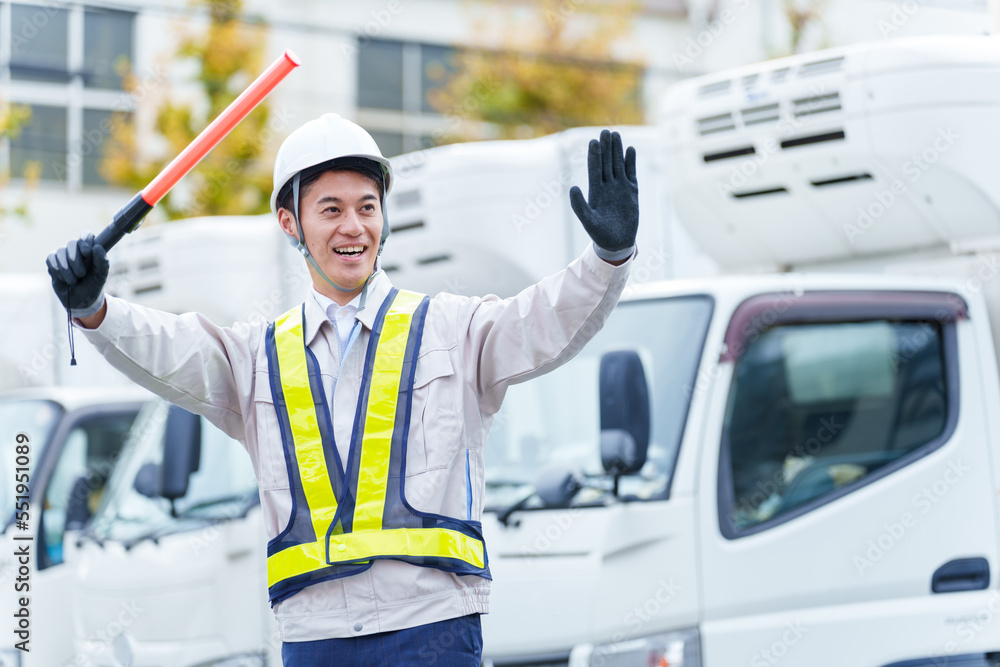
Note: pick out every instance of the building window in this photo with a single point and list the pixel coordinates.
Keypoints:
(390, 143)
(395, 84)
(436, 68)
(65, 63)
(42, 141)
(98, 124)
(39, 43)
(380, 75)
(107, 47)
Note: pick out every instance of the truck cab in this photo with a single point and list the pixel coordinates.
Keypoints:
(817, 466)
(809, 476)
(74, 436)
(172, 560)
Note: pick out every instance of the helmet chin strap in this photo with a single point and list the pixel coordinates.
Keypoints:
(301, 247)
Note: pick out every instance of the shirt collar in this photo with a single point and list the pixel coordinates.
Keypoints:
(331, 307)
(317, 304)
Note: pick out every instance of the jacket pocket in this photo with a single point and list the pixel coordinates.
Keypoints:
(436, 438)
(272, 469)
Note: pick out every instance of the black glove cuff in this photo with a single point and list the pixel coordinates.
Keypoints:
(614, 255)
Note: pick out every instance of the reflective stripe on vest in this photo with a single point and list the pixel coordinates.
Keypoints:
(339, 519)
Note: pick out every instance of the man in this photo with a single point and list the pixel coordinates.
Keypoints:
(366, 408)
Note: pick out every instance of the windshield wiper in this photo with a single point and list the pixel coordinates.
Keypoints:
(558, 488)
(504, 516)
(153, 535)
(248, 500)
(495, 483)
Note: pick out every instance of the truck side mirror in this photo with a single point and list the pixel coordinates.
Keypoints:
(557, 485)
(181, 452)
(624, 400)
(147, 480)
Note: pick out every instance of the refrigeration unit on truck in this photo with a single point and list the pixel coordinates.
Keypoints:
(34, 347)
(58, 448)
(794, 464)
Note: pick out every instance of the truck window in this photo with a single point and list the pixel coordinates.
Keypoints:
(224, 486)
(34, 418)
(816, 409)
(83, 468)
(555, 418)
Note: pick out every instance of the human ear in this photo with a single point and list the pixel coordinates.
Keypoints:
(287, 223)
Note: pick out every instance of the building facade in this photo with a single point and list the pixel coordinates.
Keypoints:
(374, 61)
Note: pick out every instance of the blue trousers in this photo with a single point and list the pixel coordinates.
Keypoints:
(457, 642)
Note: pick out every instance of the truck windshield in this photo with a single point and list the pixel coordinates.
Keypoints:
(223, 486)
(555, 418)
(34, 418)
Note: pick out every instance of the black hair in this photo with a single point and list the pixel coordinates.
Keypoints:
(366, 168)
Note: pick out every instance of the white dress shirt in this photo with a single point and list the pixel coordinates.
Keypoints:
(347, 328)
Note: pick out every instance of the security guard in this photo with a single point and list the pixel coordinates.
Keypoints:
(365, 409)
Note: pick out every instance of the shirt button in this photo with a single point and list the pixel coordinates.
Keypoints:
(343, 547)
(357, 627)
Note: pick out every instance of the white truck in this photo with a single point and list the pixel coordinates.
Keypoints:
(175, 549)
(58, 445)
(171, 569)
(72, 421)
(802, 471)
(813, 478)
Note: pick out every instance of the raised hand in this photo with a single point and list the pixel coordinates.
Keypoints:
(79, 270)
(611, 213)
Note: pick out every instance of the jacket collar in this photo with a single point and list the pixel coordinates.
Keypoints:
(378, 290)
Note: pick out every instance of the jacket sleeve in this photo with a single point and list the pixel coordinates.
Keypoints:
(186, 359)
(544, 326)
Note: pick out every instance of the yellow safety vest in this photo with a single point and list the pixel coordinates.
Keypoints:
(345, 517)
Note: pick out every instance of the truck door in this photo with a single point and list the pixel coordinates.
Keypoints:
(847, 509)
(69, 483)
(85, 448)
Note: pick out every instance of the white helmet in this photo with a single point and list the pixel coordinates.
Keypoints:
(326, 138)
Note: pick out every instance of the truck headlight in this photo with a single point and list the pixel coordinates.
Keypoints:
(671, 649)
(10, 657)
(242, 660)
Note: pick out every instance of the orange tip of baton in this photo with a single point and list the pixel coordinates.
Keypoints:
(220, 127)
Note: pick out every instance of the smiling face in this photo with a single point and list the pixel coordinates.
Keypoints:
(342, 223)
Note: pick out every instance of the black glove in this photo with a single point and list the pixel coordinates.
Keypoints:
(79, 270)
(611, 215)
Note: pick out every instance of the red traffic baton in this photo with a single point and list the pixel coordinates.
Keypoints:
(129, 217)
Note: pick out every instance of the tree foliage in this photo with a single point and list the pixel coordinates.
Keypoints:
(235, 177)
(13, 117)
(546, 67)
(803, 17)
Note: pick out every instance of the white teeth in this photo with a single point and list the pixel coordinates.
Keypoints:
(349, 250)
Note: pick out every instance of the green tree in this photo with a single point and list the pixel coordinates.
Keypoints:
(13, 117)
(549, 68)
(235, 177)
(803, 16)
